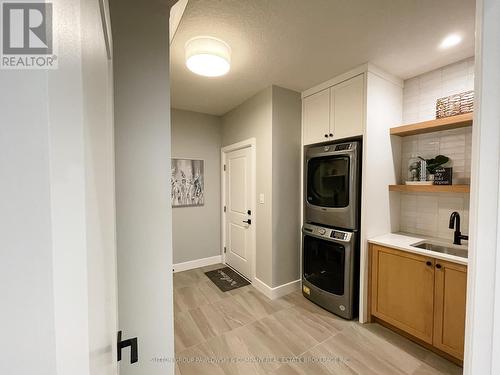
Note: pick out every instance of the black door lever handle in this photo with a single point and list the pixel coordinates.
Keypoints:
(134, 356)
(249, 221)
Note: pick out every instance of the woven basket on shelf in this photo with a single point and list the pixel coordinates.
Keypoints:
(455, 104)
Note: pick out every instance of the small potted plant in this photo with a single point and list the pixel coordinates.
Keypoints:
(434, 164)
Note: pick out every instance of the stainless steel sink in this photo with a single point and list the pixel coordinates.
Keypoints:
(439, 248)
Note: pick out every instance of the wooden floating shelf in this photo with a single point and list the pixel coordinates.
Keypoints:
(446, 123)
(430, 188)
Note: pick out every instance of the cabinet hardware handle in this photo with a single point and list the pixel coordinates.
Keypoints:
(326, 135)
(249, 221)
(429, 263)
(438, 266)
(331, 135)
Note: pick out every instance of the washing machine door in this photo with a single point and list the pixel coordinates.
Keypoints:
(327, 255)
(324, 264)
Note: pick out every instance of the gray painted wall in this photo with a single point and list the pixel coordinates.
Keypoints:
(253, 118)
(142, 135)
(273, 117)
(197, 230)
(287, 114)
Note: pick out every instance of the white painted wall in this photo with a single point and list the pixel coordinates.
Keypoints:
(57, 264)
(197, 230)
(381, 166)
(144, 215)
(482, 342)
(26, 260)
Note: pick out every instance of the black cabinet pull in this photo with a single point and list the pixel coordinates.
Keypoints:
(438, 266)
(249, 212)
(429, 263)
(331, 135)
(249, 221)
(326, 135)
(134, 355)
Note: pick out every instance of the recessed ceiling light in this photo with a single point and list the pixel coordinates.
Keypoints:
(450, 41)
(208, 56)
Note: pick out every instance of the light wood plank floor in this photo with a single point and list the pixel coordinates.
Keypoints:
(244, 332)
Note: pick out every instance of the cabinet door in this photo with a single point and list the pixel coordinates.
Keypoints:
(402, 290)
(449, 307)
(347, 108)
(316, 117)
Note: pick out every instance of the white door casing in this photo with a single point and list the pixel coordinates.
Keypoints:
(238, 198)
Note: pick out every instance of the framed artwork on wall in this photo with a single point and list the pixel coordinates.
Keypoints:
(187, 183)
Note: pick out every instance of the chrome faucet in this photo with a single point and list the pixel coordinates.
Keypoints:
(455, 224)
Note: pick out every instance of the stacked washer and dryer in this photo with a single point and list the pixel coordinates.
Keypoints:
(330, 233)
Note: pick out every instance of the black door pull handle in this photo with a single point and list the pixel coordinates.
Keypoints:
(134, 356)
(249, 221)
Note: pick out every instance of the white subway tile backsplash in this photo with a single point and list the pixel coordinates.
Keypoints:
(429, 214)
(420, 93)
(456, 144)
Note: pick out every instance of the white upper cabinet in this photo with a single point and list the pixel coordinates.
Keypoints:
(316, 117)
(334, 113)
(347, 108)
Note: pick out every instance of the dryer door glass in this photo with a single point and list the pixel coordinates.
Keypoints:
(328, 181)
(324, 264)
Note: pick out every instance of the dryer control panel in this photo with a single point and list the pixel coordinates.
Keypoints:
(327, 233)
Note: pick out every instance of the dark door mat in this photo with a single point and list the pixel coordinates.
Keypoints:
(226, 279)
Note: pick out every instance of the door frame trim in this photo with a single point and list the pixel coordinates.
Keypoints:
(252, 144)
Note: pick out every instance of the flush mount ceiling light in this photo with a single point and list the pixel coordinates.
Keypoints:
(208, 56)
(450, 41)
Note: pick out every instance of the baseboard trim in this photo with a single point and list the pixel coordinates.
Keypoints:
(192, 264)
(278, 291)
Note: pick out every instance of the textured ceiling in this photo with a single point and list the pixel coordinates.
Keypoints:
(299, 43)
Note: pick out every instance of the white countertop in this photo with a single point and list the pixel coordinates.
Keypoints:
(403, 241)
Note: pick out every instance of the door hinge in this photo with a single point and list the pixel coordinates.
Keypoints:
(224, 167)
(224, 208)
(225, 249)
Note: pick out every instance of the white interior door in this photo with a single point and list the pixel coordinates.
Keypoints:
(239, 215)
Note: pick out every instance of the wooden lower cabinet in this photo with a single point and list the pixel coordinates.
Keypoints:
(421, 296)
(449, 307)
(402, 291)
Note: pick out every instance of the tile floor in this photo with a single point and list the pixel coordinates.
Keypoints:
(224, 333)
